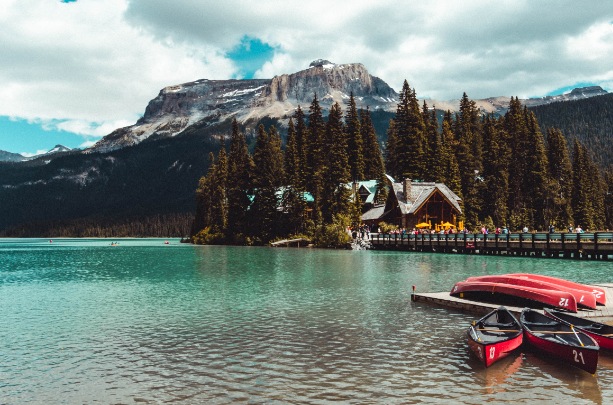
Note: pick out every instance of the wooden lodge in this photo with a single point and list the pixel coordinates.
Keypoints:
(413, 204)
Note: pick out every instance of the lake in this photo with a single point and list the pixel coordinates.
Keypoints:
(82, 321)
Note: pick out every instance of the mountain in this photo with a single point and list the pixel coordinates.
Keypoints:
(58, 149)
(590, 120)
(11, 157)
(140, 180)
(206, 103)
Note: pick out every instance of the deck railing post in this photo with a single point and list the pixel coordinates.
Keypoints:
(533, 245)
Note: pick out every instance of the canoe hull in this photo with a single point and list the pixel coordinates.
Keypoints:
(596, 330)
(584, 298)
(489, 353)
(558, 340)
(599, 293)
(487, 290)
(494, 336)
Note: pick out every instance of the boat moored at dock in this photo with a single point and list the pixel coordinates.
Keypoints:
(494, 336)
(559, 340)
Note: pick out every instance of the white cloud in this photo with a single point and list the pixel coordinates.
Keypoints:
(89, 67)
(81, 67)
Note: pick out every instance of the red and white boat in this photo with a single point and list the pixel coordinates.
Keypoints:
(599, 293)
(559, 340)
(494, 336)
(583, 297)
(600, 332)
(516, 295)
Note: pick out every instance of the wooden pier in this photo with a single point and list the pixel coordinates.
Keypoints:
(593, 246)
(603, 314)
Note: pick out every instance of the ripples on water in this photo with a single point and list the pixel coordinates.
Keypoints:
(84, 322)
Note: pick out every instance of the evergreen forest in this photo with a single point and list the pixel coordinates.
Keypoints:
(507, 170)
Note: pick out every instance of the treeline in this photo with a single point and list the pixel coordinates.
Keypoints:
(163, 225)
(507, 172)
(589, 120)
(302, 190)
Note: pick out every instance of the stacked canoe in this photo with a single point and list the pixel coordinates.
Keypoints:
(555, 332)
(523, 289)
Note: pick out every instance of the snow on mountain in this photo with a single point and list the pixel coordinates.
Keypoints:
(11, 157)
(208, 102)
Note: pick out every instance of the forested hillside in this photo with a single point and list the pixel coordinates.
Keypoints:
(589, 120)
(506, 170)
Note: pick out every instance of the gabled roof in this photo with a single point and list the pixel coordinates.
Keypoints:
(374, 213)
(420, 192)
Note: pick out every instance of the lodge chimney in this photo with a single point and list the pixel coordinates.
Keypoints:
(406, 189)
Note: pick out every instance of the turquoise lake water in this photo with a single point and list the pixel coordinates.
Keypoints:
(82, 321)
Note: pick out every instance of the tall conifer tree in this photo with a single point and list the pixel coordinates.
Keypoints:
(268, 177)
(354, 141)
(338, 173)
(315, 156)
(560, 171)
(374, 168)
(410, 136)
(240, 167)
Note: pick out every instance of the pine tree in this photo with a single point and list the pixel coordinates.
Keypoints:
(515, 125)
(337, 175)
(293, 198)
(268, 178)
(354, 141)
(495, 172)
(314, 148)
(560, 171)
(240, 167)
(374, 169)
(392, 158)
(608, 198)
(211, 202)
(447, 160)
(537, 184)
(581, 199)
(469, 151)
(410, 136)
(301, 144)
(433, 145)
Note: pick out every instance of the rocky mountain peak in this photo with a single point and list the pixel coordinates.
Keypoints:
(206, 102)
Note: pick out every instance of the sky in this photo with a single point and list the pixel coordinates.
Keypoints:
(72, 71)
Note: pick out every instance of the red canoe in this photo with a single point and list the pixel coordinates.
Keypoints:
(516, 295)
(599, 293)
(582, 297)
(559, 340)
(494, 336)
(600, 332)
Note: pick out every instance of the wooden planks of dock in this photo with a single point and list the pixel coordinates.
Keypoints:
(603, 314)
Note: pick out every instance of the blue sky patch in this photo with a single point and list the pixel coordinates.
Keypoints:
(19, 136)
(249, 55)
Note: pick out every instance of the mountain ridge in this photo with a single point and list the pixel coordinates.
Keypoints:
(207, 102)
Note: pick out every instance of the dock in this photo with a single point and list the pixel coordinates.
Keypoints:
(584, 246)
(603, 314)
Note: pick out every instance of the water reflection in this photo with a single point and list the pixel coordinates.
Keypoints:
(153, 323)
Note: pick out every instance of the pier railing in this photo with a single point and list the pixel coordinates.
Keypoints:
(596, 245)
